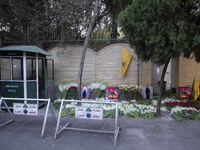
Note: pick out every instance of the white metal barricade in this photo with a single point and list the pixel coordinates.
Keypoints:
(8, 109)
(4, 99)
(63, 105)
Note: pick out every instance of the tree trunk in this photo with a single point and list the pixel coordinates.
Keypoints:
(160, 89)
(84, 51)
(114, 26)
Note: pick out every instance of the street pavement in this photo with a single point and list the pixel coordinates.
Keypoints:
(162, 133)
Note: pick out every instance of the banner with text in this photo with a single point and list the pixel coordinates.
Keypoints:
(25, 109)
(88, 113)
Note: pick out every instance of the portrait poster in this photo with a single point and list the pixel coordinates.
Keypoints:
(85, 92)
(112, 92)
(144, 94)
(184, 92)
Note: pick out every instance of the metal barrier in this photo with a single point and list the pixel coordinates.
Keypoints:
(63, 102)
(4, 99)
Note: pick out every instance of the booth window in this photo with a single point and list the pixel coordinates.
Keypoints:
(31, 68)
(5, 69)
(17, 69)
(41, 73)
(50, 69)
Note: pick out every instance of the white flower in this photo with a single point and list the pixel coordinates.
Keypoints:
(97, 85)
(132, 108)
(180, 109)
(66, 86)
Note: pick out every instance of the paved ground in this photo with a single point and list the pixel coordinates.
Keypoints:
(136, 134)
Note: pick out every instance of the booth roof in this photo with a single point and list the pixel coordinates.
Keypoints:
(26, 48)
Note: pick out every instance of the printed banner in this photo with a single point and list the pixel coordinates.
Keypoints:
(25, 109)
(85, 92)
(195, 89)
(112, 92)
(126, 58)
(146, 94)
(184, 92)
(88, 113)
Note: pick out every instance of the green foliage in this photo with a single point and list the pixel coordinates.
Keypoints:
(161, 30)
(157, 29)
(137, 96)
(126, 93)
(95, 93)
(56, 105)
(62, 95)
(144, 102)
(70, 15)
(186, 115)
(114, 7)
(71, 93)
(170, 94)
(109, 113)
(39, 20)
(137, 114)
(20, 17)
(97, 89)
(71, 112)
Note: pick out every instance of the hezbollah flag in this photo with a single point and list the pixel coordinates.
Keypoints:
(195, 89)
(126, 58)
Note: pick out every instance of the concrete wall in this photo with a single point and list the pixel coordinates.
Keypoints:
(188, 69)
(67, 62)
(156, 75)
(109, 62)
(102, 65)
(145, 69)
(106, 65)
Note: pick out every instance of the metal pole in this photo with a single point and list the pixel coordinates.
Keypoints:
(116, 124)
(8, 109)
(25, 79)
(58, 122)
(115, 132)
(11, 70)
(66, 111)
(45, 118)
(53, 111)
(37, 79)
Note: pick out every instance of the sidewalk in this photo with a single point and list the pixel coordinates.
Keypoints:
(162, 133)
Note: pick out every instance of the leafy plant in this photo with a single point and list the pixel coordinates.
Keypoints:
(71, 112)
(72, 92)
(66, 87)
(62, 95)
(97, 89)
(129, 92)
(144, 102)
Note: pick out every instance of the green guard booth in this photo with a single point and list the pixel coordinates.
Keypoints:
(25, 72)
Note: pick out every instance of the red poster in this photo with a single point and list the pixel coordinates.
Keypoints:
(112, 92)
(184, 92)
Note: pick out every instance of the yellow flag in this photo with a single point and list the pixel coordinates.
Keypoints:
(126, 58)
(195, 89)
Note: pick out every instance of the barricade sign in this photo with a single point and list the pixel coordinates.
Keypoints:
(27, 109)
(81, 112)
(88, 113)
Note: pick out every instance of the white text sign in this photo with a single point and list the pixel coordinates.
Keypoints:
(88, 113)
(25, 109)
